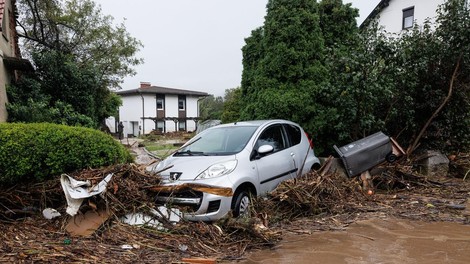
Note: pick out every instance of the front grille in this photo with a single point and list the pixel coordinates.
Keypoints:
(172, 199)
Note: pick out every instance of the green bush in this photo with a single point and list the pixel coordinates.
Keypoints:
(40, 151)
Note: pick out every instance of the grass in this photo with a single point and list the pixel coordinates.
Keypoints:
(160, 149)
(166, 144)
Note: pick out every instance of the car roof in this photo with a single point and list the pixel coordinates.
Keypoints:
(256, 123)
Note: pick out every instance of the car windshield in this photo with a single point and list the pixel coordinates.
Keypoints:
(218, 141)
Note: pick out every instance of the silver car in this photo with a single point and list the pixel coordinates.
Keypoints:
(249, 158)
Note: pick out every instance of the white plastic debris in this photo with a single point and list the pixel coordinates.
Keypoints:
(50, 213)
(127, 247)
(173, 215)
(182, 247)
(76, 191)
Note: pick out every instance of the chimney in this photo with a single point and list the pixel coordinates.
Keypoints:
(145, 84)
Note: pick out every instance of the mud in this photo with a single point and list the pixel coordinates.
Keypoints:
(375, 241)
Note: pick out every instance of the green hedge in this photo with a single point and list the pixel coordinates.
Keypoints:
(40, 151)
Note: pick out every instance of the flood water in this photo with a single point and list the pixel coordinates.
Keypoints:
(375, 241)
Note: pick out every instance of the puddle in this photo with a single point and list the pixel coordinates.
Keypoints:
(375, 241)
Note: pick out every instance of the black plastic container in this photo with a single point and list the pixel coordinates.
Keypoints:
(362, 155)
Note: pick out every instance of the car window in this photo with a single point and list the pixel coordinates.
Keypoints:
(220, 141)
(272, 136)
(294, 134)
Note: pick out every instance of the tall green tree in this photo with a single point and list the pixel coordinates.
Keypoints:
(283, 63)
(338, 24)
(287, 73)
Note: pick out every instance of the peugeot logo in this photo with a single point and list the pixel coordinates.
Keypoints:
(175, 176)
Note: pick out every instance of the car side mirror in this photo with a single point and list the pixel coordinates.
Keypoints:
(265, 149)
(260, 152)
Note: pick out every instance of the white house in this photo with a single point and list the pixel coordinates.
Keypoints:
(398, 15)
(149, 108)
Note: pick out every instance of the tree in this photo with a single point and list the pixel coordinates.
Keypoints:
(338, 23)
(232, 105)
(282, 62)
(78, 55)
(211, 107)
(286, 72)
(416, 84)
(78, 28)
(60, 92)
(431, 73)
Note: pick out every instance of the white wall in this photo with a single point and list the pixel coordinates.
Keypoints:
(171, 110)
(5, 50)
(391, 16)
(131, 112)
(192, 111)
(150, 111)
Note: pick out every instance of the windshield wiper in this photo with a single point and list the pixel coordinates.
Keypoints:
(190, 153)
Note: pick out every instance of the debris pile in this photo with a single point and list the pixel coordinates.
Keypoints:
(310, 195)
(29, 236)
(317, 201)
(460, 164)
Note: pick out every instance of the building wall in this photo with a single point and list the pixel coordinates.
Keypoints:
(391, 17)
(150, 110)
(6, 49)
(192, 111)
(130, 113)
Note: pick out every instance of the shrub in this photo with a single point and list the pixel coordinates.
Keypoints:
(40, 151)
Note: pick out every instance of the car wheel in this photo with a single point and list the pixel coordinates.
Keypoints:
(241, 204)
(391, 158)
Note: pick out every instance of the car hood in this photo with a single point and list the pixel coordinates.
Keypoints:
(187, 168)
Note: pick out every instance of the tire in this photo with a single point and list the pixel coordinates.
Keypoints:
(315, 167)
(241, 204)
(391, 158)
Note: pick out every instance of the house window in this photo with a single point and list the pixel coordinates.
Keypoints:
(181, 102)
(160, 103)
(408, 17)
(161, 126)
(182, 126)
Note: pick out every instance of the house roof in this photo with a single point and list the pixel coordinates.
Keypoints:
(380, 6)
(160, 90)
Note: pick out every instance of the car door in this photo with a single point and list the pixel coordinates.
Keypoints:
(299, 149)
(277, 165)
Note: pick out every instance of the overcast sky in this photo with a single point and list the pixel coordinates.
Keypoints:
(193, 45)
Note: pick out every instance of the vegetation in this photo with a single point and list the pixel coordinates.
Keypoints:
(41, 151)
(78, 55)
(285, 73)
(423, 75)
(211, 107)
(232, 105)
(309, 63)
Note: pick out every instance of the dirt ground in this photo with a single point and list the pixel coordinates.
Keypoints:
(316, 202)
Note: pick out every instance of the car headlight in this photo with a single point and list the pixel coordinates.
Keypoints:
(159, 166)
(218, 170)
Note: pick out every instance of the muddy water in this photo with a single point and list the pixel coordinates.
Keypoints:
(375, 241)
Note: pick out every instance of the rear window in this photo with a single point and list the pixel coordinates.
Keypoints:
(294, 134)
